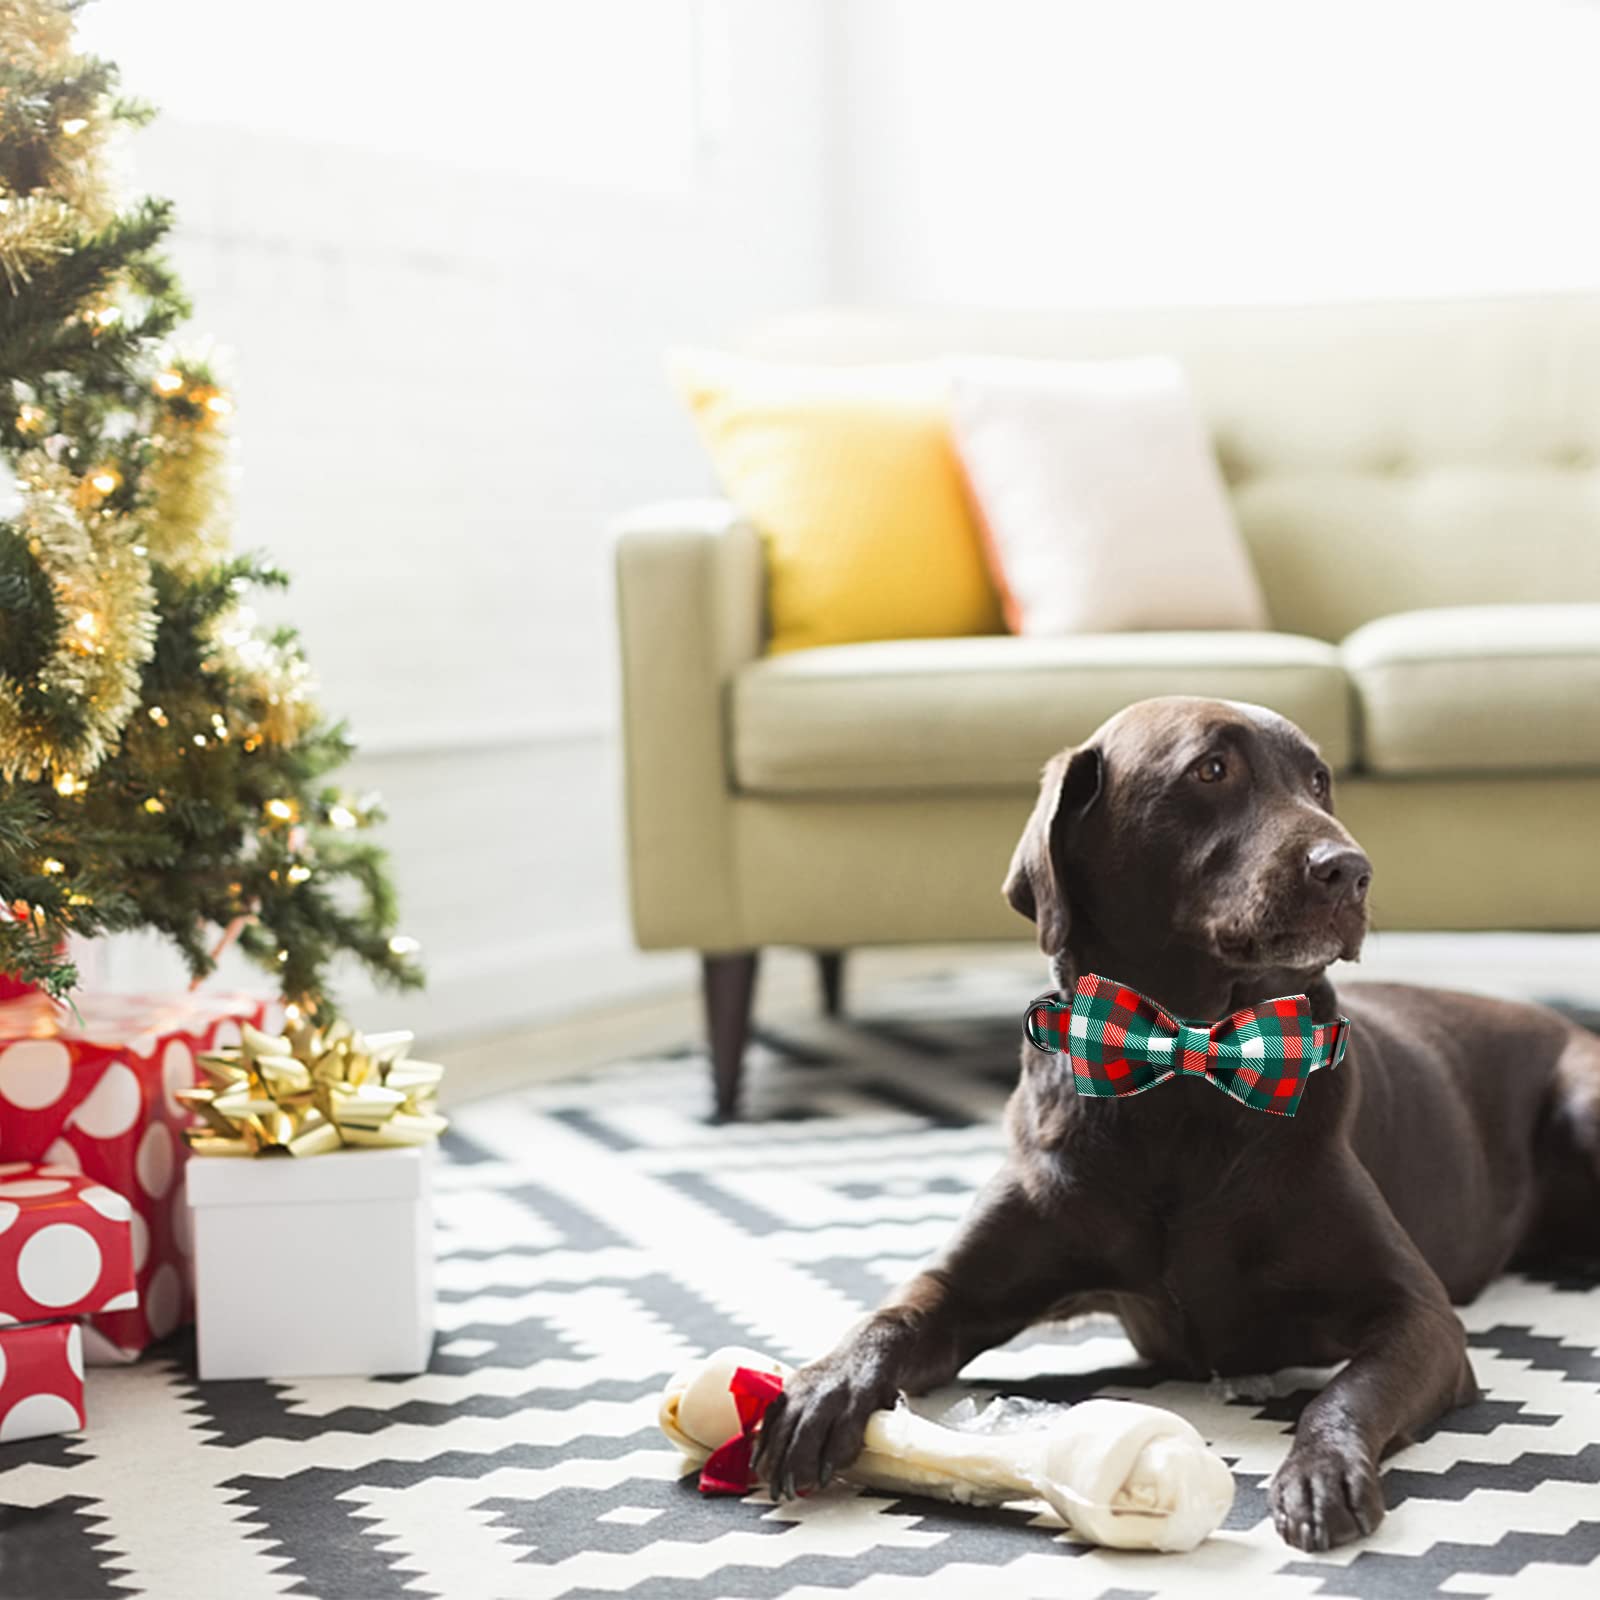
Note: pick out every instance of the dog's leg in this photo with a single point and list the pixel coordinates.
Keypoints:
(1566, 1223)
(1408, 1366)
(1003, 1271)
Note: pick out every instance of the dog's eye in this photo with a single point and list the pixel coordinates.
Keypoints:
(1209, 769)
(1321, 783)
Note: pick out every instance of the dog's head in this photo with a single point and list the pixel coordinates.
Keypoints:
(1193, 836)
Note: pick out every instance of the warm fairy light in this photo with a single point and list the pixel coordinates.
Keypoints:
(342, 817)
(30, 418)
(298, 873)
(73, 126)
(200, 740)
(283, 955)
(104, 481)
(291, 1012)
(402, 944)
(52, 866)
(279, 810)
(168, 382)
(88, 624)
(154, 806)
(210, 399)
(69, 783)
(158, 716)
(107, 316)
(79, 900)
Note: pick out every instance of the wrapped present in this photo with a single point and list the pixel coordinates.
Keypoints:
(66, 1245)
(41, 1380)
(314, 1268)
(311, 1193)
(98, 1095)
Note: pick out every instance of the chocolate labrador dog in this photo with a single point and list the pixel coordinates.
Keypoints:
(1190, 851)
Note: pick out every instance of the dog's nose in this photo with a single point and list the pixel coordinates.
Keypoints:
(1339, 870)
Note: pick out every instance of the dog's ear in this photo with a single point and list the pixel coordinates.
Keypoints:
(1036, 883)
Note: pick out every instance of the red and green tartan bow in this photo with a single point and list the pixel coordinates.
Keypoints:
(1120, 1042)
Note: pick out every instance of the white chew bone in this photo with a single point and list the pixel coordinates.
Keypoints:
(697, 1412)
(1117, 1473)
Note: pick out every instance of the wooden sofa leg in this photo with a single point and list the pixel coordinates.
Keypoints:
(830, 970)
(729, 984)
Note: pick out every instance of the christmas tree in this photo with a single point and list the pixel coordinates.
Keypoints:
(162, 755)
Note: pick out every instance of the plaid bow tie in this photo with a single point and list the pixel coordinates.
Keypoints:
(1121, 1043)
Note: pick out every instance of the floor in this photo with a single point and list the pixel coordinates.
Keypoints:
(594, 1234)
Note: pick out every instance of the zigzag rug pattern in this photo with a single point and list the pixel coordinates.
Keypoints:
(595, 1234)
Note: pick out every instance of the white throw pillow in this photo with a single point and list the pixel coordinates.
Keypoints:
(1100, 498)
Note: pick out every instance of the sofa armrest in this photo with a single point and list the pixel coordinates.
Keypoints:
(690, 613)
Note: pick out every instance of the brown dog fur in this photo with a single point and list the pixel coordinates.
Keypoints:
(1189, 849)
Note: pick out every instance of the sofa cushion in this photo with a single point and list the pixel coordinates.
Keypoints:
(986, 713)
(1467, 689)
(851, 477)
(1100, 499)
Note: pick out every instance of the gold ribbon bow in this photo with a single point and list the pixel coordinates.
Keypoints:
(311, 1091)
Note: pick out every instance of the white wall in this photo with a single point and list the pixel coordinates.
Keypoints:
(449, 377)
(1080, 151)
(444, 262)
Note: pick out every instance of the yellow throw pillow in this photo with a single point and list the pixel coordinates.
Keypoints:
(852, 479)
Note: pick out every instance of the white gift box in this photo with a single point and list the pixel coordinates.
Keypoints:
(313, 1266)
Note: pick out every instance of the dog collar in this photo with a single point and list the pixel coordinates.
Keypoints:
(1121, 1042)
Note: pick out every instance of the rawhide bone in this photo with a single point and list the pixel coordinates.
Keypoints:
(1116, 1472)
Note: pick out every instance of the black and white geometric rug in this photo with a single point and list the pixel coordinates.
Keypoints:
(595, 1234)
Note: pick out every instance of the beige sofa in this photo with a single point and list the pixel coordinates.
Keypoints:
(1419, 485)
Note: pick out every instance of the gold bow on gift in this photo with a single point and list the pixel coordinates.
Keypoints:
(312, 1091)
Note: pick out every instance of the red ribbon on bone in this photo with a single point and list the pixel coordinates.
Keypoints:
(727, 1471)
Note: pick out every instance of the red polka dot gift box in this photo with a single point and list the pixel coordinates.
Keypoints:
(66, 1245)
(97, 1095)
(41, 1380)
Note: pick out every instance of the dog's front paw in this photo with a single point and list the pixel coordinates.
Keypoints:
(1324, 1495)
(815, 1427)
